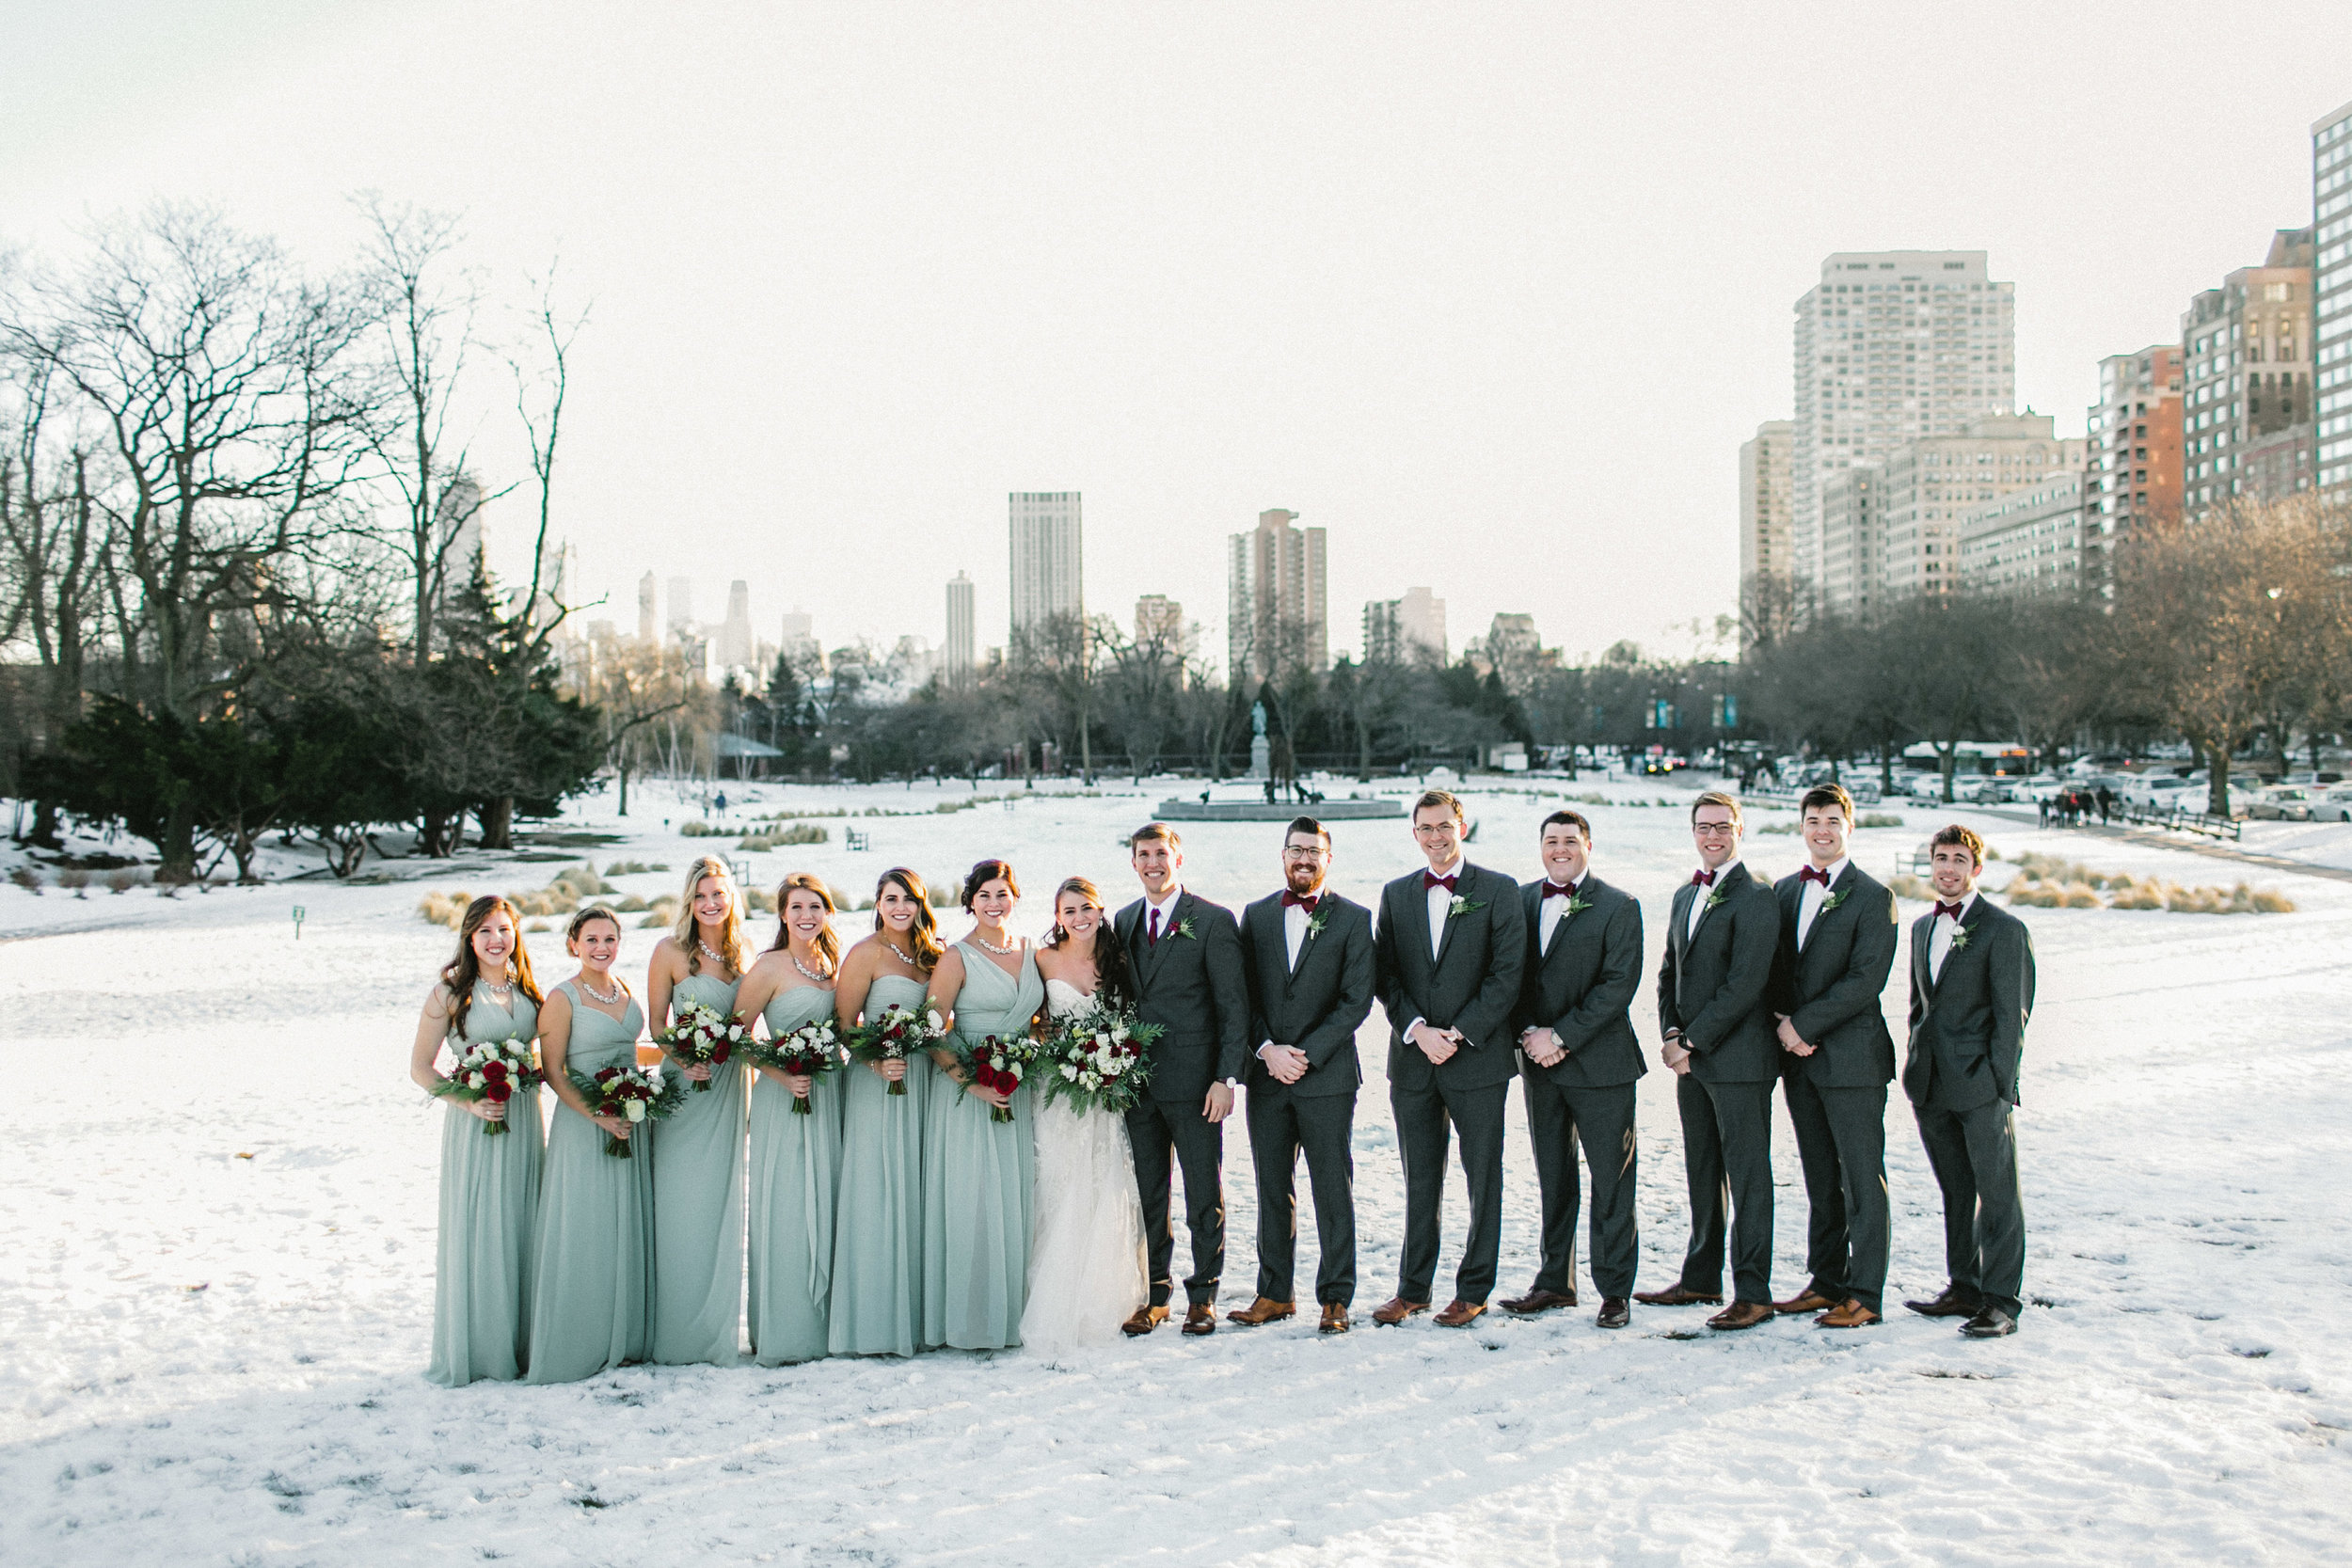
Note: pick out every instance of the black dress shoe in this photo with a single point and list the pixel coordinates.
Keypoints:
(1614, 1313)
(1678, 1296)
(1538, 1300)
(1952, 1304)
(1989, 1324)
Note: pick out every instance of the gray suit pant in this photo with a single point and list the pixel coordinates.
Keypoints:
(1841, 1137)
(1425, 1117)
(1559, 1118)
(1974, 1155)
(1280, 1124)
(1164, 1134)
(1727, 1157)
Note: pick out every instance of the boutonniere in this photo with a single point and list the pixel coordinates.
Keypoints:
(1834, 900)
(1315, 923)
(1184, 928)
(1714, 897)
(1461, 906)
(1960, 938)
(1575, 904)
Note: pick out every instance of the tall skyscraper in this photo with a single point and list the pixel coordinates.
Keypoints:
(962, 631)
(1276, 611)
(681, 605)
(1048, 562)
(2135, 463)
(1852, 539)
(735, 633)
(648, 610)
(1764, 499)
(2248, 383)
(798, 637)
(1398, 630)
(1891, 346)
(1930, 482)
(2331, 297)
(1159, 618)
(457, 523)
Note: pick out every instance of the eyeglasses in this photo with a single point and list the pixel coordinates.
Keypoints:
(1303, 853)
(1714, 829)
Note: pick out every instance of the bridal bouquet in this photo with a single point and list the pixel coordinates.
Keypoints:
(997, 1063)
(492, 1070)
(1094, 1059)
(802, 1053)
(896, 1036)
(703, 1034)
(637, 1095)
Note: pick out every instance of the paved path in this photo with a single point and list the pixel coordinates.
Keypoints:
(2194, 846)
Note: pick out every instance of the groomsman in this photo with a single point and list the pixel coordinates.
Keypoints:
(1719, 1041)
(1582, 965)
(1447, 956)
(1971, 993)
(1308, 953)
(1836, 948)
(1186, 956)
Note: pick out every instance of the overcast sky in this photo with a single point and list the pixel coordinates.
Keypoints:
(1492, 292)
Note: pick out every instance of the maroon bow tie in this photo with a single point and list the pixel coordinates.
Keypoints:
(1553, 890)
(1952, 909)
(1431, 879)
(1300, 900)
(1812, 874)
(1702, 879)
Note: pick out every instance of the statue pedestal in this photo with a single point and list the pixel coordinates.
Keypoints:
(1261, 758)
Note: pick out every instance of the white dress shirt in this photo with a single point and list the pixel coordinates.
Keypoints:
(1549, 912)
(1440, 899)
(1699, 895)
(1940, 936)
(1814, 895)
(1164, 908)
(1295, 927)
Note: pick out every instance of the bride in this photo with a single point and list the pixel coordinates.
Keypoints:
(1086, 1248)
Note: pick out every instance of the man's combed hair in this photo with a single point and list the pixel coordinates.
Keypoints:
(1717, 798)
(1566, 818)
(1443, 801)
(1151, 830)
(1308, 825)
(1967, 838)
(1827, 795)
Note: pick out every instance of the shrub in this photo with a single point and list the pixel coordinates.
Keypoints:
(122, 882)
(445, 909)
(800, 832)
(630, 905)
(2080, 896)
(1907, 886)
(27, 878)
(73, 877)
(1878, 820)
(2269, 901)
(699, 830)
(627, 868)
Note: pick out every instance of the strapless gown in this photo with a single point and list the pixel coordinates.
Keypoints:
(1085, 1250)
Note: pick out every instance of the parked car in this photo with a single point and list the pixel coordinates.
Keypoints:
(2282, 803)
(1983, 792)
(2158, 791)
(2333, 805)
(1864, 790)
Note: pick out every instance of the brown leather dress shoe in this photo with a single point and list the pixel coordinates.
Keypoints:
(1614, 1313)
(1741, 1314)
(1200, 1317)
(1458, 1314)
(1678, 1297)
(1334, 1318)
(1539, 1301)
(1144, 1319)
(1396, 1310)
(1263, 1311)
(1848, 1313)
(1808, 1299)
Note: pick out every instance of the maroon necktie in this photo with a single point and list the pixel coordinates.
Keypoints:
(1156, 927)
(1813, 874)
(1553, 890)
(1300, 900)
(1952, 909)
(1702, 879)
(1431, 879)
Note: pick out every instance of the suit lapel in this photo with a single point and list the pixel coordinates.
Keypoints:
(1155, 951)
(1445, 937)
(1721, 890)
(1922, 941)
(1417, 918)
(1677, 933)
(1967, 924)
(1792, 908)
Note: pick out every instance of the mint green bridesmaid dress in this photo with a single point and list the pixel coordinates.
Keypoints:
(489, 1194)
(877, 1307)
(698, 1207)
(796, 1167)
(976, 1178)
(592, 1272)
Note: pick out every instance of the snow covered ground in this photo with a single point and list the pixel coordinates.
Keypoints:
(216, 1253)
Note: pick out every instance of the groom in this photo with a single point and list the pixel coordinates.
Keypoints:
(1189, 977)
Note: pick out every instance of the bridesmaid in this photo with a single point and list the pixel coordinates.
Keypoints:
(796, 1158)
(878, 1227)
(489, 1185)
(976, 1169)
(698, 1150)
(592, 1273)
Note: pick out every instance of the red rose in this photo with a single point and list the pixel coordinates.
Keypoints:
(719, 1052)
(496, 1092)
(494, 1069)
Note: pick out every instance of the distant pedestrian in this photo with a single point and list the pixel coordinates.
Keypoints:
(2107, 803)
(2045, 811)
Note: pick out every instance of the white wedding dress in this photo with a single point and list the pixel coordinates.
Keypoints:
(1085, 1241)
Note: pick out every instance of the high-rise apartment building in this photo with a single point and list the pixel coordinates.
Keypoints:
(647, 608)
(2247, 349)
(962, 631)
(1159, 619)
(2031, 539)
(1892, 346)
(735, 632)
(681, 622)
(1277, 616)
(1764, 500)
(1048, 564)
(1932, 483)
(2133, 477)
(1853, 548)
(1397, 631)
(2331, 298)
(798, 638)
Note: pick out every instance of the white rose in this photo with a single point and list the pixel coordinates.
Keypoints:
(634, 1109)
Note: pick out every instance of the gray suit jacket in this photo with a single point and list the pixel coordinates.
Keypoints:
(1315, 1006)
(1192, 985)
(1472, 985)
(1582, 989)
(1832, 988)
(1713, 982)
(1968, 1025)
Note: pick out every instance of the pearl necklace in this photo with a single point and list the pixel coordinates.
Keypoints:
(811, 973)
(612, 1001)
(904, 956)
(712, 954)
(1000, 952)
(505, 993)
